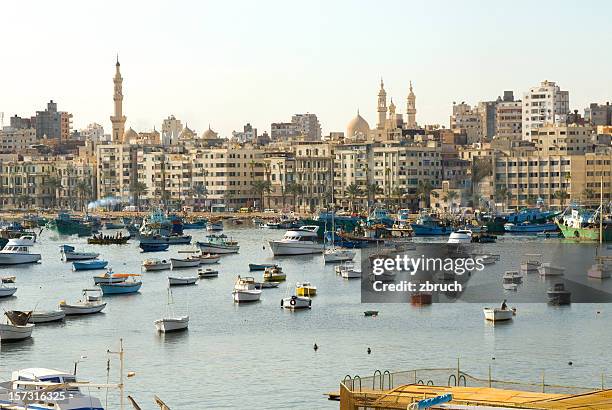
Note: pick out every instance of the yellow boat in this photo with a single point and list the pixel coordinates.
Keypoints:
(274, 274)
(305, 289)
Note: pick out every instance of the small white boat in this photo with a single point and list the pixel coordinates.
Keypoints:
(460, 236)
(89, 304)
(70, 254)
(532, 263)
(172, 324)
(487, 259)
(346, 265)
(218, 244)
(510, 286)
(498, 314)
(17, 251)
(602, 269)
(512, 276)
(296, 302)
(245, 290)
(209, 258)
(16, 326)
(156, 264)
(46, 316)
(190, 262)
(548, 269)
(108, 277)
(182, 280)
(6, 291)
(351, 273)
(266, 285)
(208, 273)
(333, 255)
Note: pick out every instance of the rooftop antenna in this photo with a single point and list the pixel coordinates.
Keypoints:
(1, 120)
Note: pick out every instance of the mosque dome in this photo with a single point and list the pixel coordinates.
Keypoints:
(209, 134)
(130, 134)
(357, 126)
(187, 133)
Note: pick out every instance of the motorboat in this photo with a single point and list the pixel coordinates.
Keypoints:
(46, 316)
(274, 274)
(8, 279)
(209, 258)
(207, 273)
(127, 286)
(510, 286)
(460, 236)
(17, 251)
(16, 326)
(70, 254)
(260, 266)
(301, 241)
(305, 289)
(214, 225)
(333, 255)
(189, 262)
(488, 259)
(296, 302)
(89, 265)
(512, 277)
(6, 291)
(602, 269)
(156, 264)
(218, 244)
(532, 263)
(548, 269)
(86, 305)
(182, 280)
(370, 313)
(154, 247)
(245, 290)
(108, 277)
(559, 295)
(63, 392)
(499, 314)
(346, 265)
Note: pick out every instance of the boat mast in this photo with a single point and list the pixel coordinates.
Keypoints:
(121, 383)
(601, 209)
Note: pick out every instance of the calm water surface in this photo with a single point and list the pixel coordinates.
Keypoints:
(261, 356)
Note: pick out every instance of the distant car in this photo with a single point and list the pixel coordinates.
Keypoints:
(269, 210)
(244, 210)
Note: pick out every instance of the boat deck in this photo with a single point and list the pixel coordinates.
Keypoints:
(402, 396)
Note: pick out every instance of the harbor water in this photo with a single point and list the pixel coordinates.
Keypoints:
(261, 356)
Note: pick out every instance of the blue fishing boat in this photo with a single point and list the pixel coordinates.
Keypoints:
(533, 215)
(129, 285)
(260, 266)
(380, 216)
(154, 247)
(196, 224)
(530, 228)
(89, 265)
(428, 226)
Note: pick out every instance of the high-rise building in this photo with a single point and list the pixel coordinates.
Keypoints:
(248, 134)
(467, 120)
(306, 126)
(544, 104)
(16, 139)
(171, 129)
(93, 132)
(509, 117)
(118, 119)
(19, 122)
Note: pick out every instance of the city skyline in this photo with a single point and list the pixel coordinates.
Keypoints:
(231, 81)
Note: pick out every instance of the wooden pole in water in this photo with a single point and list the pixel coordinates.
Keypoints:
(543, 386)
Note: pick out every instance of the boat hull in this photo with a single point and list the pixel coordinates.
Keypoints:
(339, 255)
(280, 248)
(218, 249)
(175, 324)
(154, 247)
(498, 315)
(120, 288)
(7, 291)
(47, 317)
(586, 234)
(80, 256)
(18, 258)
(184, 263)
(85, 309)
(9, 332)
(242, 296)
(174, 281)
(77, 266)
(296, 302)
(425, 230)
(157, 266)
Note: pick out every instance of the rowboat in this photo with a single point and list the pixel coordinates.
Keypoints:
(154, 247)
(46, 316)
(208, 273)
(172, 324)
(89, 265)
(260, 266)
(108, 240)
(129, 285)
(190, 262)
(209, 258)
(108, 277)
(498, 314)
(182, 280)
(6, 291)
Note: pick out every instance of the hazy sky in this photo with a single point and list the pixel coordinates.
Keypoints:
(231, 62)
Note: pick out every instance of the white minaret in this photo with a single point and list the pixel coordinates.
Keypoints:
(411, 109)
(118, 119)
(382, 106)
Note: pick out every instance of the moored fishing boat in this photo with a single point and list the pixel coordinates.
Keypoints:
(426, 225)
(70, 254)
(89, 265)
(460, 236)
(549, 269)
(208, 273)
(530, 228)
(209, 258)
(218, 244)
(214, 226)
(245, 290)
(334, 255)
(305, 289)
(154, 247)
(11, 332)
(580, 224)
(156, 264)
(127, 286)
(296, 302)
(274, 274)
(101, 239)
(65, 224)
(6, 291)
(46, 316)
(190, 262)
(532, 263)
(89, 304)
(182, 280)
(260, 266)
(108, 277)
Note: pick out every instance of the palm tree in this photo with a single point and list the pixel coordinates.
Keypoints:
(53, 183)
(423, 191)
(561, 195)
(137, 190)
(83, 189)
(451, 196)
(397, 194)
(24, 200)
(502, 194)
(587, 194)
(353, 192)
(200, 191)
(372, 190)
(294, 190)
(260, 188)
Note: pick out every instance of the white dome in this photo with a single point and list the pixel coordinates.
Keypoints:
(357, 126)
(186, 133)
(130, 134)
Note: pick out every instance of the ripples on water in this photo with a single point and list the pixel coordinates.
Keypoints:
(262, 356)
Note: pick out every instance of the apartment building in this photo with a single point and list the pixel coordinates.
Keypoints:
(564, 139)
(509, 120)
(467, 120)
(16, 139)
(544, 104)
(116, 170)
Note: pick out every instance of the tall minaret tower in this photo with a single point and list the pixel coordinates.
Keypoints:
(411, 109)
(118, 119)
(382, 106)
